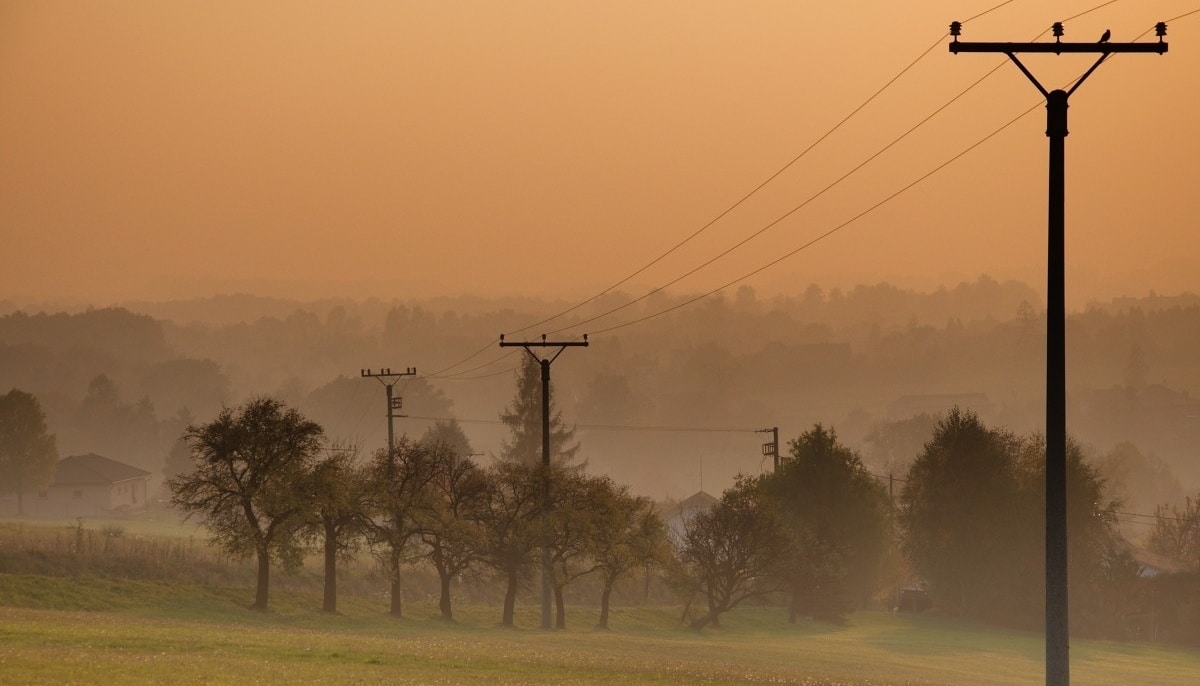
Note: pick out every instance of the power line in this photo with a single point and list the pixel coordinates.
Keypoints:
(606, 427)
(721, 215)
(824, 190)
(825, 235)
(472, 369)
(847, 222)
(439, 373)
(793, 210)
(456, 377)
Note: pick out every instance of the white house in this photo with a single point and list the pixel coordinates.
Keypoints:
(85, 486)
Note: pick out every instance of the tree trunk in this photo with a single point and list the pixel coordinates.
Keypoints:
(604, 597)
(331, 547)
(444, 601)
(397, 609)
(794, 605)
(264, 579)
(560, 610)
(713, 617)
(705, 620)
(510, 600)
(20, 500)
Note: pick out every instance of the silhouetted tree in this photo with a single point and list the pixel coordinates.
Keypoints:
(28, 451)
(512, 531)
(834, 515)
(341, 513)
(732, 552)
(399, 483)
(630, 535)
(251, 482)
(1177, 532)
(450, 521)
(577, 507)
(974, 520)
(958, 508)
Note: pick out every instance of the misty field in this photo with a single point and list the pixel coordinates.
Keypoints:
(137, 632)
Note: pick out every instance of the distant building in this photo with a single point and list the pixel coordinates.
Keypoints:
(677, 517)
(1150, 564)
(85, 486)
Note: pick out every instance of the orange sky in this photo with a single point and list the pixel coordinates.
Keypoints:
(156, 150)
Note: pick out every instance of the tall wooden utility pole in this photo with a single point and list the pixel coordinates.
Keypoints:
(1058, 671)
(545, 363)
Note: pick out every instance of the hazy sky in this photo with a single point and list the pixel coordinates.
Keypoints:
(153, 149)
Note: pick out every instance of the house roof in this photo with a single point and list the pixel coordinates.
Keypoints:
(698, 501)
(92, 469)
(1150, 563)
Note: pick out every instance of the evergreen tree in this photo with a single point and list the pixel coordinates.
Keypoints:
(523, 417)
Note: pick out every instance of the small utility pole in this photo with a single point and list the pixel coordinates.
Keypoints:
(1057, 635)
(771, 448)
(389, 378)
(545, 363)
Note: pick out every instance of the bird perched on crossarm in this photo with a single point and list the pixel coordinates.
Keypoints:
(1106, 36)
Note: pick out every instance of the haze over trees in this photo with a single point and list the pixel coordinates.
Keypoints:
(841, 357)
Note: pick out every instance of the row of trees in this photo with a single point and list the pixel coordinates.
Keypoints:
(968, 526)
(820, 534)
(265, 487)
(815, 531)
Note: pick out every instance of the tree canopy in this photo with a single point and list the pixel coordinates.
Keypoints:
(834, 515)
(251, 482)
(28, 451)
(973, 515)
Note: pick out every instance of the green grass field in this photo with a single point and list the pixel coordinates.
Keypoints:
(87, 630)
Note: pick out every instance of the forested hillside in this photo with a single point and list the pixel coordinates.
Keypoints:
(870, 361)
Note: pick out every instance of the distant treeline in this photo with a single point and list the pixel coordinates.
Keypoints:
(124, 382)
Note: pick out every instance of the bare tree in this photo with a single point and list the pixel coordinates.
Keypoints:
(731, 553)
(630, 536)
(341, 511)
(399, 483)
(451, 519)
(512, 529)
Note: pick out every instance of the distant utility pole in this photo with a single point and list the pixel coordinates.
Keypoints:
(772, 448)
(1057, 635)
(545, 363)
(389, 378)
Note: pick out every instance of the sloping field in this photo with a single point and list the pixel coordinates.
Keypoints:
(136, 633)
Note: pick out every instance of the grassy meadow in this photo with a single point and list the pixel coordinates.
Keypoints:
(62, 624)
